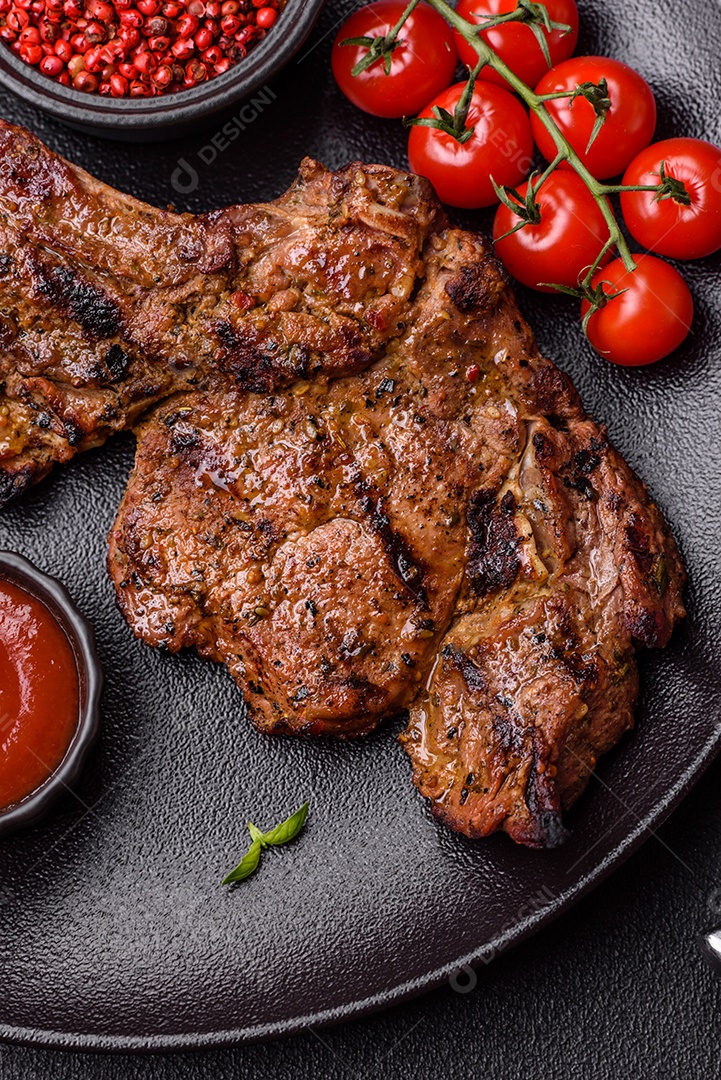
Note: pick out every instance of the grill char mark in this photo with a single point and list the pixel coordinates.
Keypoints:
(98, 315)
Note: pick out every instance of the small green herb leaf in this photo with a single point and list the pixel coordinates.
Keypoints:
(247, 865)
(288, 829)
(281, 834)
(256, 834)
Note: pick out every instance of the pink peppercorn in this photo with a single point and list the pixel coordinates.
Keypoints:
(134, 48)
(265, 17)
(31, 54)
(118, 85)
(85, 81)
(183, 48)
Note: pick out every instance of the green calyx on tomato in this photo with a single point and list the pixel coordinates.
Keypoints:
(454, 124)
(681, 216)
(605, 126)
(560, 237)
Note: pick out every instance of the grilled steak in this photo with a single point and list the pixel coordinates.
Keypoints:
(107, 305)
(406, 536)
(363, 489)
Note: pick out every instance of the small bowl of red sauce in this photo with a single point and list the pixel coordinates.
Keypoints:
(50, 685)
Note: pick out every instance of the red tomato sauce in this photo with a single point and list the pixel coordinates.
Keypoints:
(39, 693)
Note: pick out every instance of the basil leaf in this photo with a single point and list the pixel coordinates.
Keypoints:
(256, 834)
(247, 865)
(288, 829)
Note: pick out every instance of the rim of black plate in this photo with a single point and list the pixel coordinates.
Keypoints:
(524, 928)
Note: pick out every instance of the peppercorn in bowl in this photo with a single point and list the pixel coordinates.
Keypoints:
(146, 69)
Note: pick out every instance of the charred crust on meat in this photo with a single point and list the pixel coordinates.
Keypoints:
(549, 831)
(96, 313)
(13, 484)
(471, 674)
(649, 627)
(404, 563)
(258, 369)
(543, 446)
(117, 362)
(493, 560)
(551, 389)
(476, 288)
(73, 432)
(183, 443)
(542, 800)
(586, 460)
(580, 483)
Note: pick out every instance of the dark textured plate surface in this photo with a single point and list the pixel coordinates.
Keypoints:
(114, 932)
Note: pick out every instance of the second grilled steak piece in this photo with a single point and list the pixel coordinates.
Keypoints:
(445, 530)
(107, 305)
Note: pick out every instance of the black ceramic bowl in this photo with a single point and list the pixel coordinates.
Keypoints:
(14, 568)
(172, 115)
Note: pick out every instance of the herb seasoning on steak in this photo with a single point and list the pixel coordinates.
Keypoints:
(357, 482)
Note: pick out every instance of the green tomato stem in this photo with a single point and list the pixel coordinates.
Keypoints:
(391, 37)
(546, 173)
(535, 103)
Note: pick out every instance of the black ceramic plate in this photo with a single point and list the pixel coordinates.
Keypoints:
(114, 930)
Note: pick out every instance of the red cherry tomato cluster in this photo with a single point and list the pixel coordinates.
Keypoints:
(487, 140)
(128, 49)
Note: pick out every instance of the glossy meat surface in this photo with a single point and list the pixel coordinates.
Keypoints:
(107, 305)
(357, 483)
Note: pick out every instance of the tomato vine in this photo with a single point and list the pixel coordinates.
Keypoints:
(535, 16)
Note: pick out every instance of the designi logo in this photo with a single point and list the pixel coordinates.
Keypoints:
(185, 178)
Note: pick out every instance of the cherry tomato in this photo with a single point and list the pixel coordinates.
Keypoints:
(422, 63)
(629, 125)
(649, 320)
(566, 241)
(501, 147)
(515, 43)
(667, 225)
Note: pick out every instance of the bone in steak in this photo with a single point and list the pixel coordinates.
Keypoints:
(324, 500)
